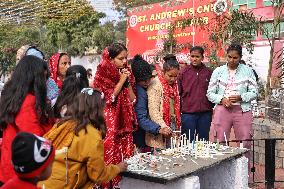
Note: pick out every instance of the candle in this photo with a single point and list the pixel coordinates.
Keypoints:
(181, 141)
(241, 145)
(226, 139)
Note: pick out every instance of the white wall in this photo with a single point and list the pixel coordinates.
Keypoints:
(259, 60)
(87, 61)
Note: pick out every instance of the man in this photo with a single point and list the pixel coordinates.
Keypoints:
(142, 72)
(196, 110)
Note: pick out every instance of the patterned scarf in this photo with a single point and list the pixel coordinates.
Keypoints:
(170, 92)
(106, 78)
(53, 65)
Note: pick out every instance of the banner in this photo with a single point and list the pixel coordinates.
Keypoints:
(148, 25)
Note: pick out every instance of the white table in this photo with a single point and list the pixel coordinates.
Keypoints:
(228, 174)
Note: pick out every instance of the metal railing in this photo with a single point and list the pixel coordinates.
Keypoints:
(269, 163)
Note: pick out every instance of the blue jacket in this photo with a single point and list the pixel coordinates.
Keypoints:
(246, 85)
(142, 114)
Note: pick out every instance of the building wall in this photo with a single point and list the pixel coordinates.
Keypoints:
(260, 58)
(87, 61)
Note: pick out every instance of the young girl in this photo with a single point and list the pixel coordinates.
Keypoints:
(80, 137)
(115, 80)
(76, 79)
(164, 102)
(52, 88)
(23, 107)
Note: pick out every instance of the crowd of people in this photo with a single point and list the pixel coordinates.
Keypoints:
(96, 122)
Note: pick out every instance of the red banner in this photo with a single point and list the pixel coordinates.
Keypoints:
(148, 25)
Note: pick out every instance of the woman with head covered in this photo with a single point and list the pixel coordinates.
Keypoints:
(164, 102)
(58, 65)
(115, 80)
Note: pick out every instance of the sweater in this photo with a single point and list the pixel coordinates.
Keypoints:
(193, 84)
(86, 166)
(144, 122)
(245, 83)
(155, 105)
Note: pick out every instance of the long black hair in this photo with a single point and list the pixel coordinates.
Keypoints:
(29, 77)
(76, 79)
(115, 49)
(235, 47)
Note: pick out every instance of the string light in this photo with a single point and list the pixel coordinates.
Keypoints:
(28, 11)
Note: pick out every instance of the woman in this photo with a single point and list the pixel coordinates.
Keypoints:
(164, 102)
(23, 107)
(232, 87)
(115, 80)
(81, 132)
(76, 79)
(58, 65)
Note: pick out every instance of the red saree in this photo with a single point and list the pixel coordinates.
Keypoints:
(119, 114)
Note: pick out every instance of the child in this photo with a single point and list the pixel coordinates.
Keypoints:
(164, 102)
(142, 72)
(32, 158)
(24, 107)
(75, 80)
(80, 137)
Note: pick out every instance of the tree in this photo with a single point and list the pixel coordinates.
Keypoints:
(234, 27)
(272, 32)
(71, 26)
(11, 38)
(73, 36)
(123, 5)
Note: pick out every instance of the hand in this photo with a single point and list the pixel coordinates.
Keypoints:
(166, 131)
(122, 166)
(124, 74)
(126, 71)
(226, 102)
(235, 98)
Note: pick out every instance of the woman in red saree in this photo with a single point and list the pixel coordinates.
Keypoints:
(58, 65)
(115, 80)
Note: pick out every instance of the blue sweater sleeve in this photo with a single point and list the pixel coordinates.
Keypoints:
(142, 113)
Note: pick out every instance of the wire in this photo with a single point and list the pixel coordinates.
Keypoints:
(23, 11)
